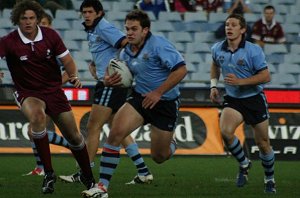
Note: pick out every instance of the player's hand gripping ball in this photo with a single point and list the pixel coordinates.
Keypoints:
(120, 67)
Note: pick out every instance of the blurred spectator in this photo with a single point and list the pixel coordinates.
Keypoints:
(209, 5)
(182, 6)
(230, 5)
(46, 20)
(1, 74)
(54, 5)
(7, 4)
(220, 32)
(153, 5)
(266, 29)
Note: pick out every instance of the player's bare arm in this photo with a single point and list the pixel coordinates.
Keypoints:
(71, 70)
(174, 78)
(260, 78)
(214, 76)
(92, 69)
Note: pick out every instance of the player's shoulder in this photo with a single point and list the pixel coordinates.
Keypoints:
(104, 24)
(10, 35)
(159, 41)
(48, 32)
(217, 45)
(253, 47)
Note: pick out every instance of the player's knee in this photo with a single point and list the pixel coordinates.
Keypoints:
(115, 137)
(227, 134)
(38, 119)
(76, 140)
(159, 158)
(264, 146)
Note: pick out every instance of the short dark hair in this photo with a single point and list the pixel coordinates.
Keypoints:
(239, 17)
(48, 17)
(269, 7)
(96, 4)
(20, 8)
(140, 16)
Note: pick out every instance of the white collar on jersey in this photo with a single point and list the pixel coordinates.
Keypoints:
(25, 40)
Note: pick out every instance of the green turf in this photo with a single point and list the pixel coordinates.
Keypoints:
(179, 177)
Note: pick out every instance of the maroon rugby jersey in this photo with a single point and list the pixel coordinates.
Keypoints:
(210, 6)
(32, 64)
(272, 34)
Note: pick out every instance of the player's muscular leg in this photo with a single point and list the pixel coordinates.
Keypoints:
(160, 144)
(99, 115)
(126, 120)
(34, 110)
(229, 121)
(68, 127)
(261, 136)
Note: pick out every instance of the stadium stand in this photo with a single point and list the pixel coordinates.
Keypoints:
(61, 24)
(275, 48)
(67, 14)
(192, 34)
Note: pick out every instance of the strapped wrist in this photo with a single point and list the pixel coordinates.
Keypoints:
(213, 83)
(73, 75)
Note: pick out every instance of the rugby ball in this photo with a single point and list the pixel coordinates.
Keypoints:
(119, 66)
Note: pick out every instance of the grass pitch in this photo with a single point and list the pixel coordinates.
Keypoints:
(182, 176)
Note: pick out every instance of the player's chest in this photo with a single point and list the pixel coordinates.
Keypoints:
(232, 60)
(38, 51)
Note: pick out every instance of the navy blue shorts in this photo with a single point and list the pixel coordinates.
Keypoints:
(112, 97)
(163, 115)
(254, 109)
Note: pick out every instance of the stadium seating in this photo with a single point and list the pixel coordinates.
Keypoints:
(195, 17)
(67, 14)
(198, 47)
(162, 26)
(191, 67)
(281, 2)
(295, 48)
(5, 23)
(180, 47)
(291, 58)
(192, 33)
(216, 17)
(61, 24)
(77, 35)
(289, 68)
(292, 18)
(251, 17)
(193, 57)
(291, 28)
(116, 16)
(283, 79)
(275, 48)
(82, 55)
(204, 37)
(72, 45)
(169, 16)
(3, 32)
(183, 37)
(272, 68)
(6, 13)
(3, 65)
(122, 6)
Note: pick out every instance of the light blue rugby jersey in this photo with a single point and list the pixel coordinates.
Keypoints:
(103, 42)
(152, 65)
(245, 62)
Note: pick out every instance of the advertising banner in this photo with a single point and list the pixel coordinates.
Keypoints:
(191, 132)
(197, 132)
